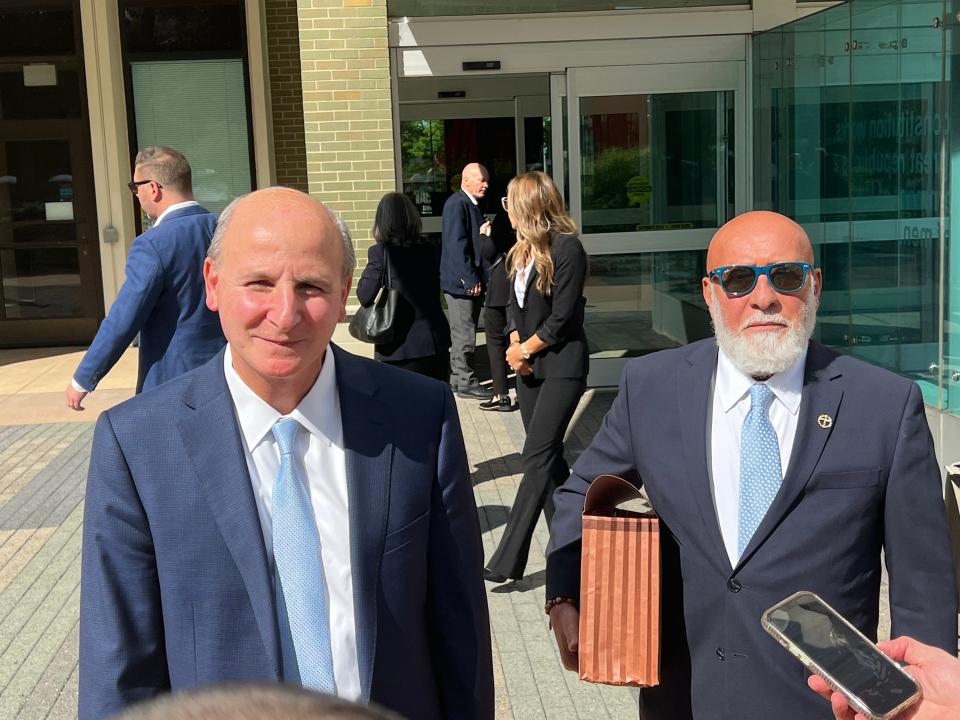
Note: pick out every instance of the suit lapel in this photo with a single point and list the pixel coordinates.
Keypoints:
(210, 434)
(369, 456)
(822, 394)
(693, 396)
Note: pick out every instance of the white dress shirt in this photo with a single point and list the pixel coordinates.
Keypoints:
(319, 449)
(731, 403)
(175, 206)
(520, 282)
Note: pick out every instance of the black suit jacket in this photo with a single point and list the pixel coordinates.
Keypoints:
(867, 482)
(415, 275)
(494, 251)
(556, 318)
(461, 256)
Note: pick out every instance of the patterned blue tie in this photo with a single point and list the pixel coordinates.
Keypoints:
(759, 464)
(302, 606)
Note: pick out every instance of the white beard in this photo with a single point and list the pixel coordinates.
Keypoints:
(766, 353)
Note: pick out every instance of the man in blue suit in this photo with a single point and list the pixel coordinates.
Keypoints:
(463, 275)
(287, 511)
(162, 297)
(776, 465)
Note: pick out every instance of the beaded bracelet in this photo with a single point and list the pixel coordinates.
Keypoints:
(559, 600)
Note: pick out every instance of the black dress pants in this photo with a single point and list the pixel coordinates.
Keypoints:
(495, 325)
(546, 407)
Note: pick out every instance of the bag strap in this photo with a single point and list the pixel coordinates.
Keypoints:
(386, 256)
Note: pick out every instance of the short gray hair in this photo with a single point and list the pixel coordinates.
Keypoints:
(223, 222)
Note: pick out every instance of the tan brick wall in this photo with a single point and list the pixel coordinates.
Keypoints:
(286, 92)
(345, 67)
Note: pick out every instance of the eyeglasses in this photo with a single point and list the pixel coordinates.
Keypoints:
(503, 201)
(740, 280)
(134, 184)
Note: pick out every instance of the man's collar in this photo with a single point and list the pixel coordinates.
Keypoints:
(732, 384)
(472, 198)
(175, 206)
(318, 412)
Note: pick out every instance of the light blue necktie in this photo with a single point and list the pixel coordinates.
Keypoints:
(302, 604)
(760, 476)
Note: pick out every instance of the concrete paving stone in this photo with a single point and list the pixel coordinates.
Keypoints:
(529, 712)
(51, 684)
(15, 555)
(33, 666)
(58, 609)
(65, 707)
(28, 591)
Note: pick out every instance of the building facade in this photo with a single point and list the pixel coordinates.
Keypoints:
(659, 119)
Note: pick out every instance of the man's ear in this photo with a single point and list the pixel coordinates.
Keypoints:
(707, 295)
(344, 293)
(210, 280)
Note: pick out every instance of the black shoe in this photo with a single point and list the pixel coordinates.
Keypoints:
(494, 577)
(474, 392)
(502, 404)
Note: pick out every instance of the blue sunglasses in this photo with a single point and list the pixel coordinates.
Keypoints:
(740, 280)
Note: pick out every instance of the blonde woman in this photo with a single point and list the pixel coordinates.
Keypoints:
(548, 350)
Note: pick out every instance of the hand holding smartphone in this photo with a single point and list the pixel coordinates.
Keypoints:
(830, 647)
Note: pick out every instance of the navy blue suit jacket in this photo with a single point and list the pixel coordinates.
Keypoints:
(414, 273)
(176, 590)
(461, 260)
(869, 482)
(163, 299)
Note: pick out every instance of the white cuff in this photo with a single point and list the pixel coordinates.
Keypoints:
(78, 387)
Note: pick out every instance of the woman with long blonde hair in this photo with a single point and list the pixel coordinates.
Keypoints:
(548, 351)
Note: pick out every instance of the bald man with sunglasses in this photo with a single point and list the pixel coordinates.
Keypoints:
(776, 465)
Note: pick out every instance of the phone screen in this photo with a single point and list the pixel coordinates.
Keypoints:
(830, 642)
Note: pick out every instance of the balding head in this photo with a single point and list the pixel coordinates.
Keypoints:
(474, 179)
(281, 200)
(762, 330)
(279, 274)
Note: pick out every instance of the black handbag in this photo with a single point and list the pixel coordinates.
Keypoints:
(386, 320)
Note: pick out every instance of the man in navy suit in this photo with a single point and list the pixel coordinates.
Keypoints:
(776, 465)
(462, 277)
(162, 297)
(288, 511)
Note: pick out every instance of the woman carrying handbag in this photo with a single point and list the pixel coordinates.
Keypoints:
(421, 338)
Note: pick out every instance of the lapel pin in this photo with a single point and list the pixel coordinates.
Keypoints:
(825, 421)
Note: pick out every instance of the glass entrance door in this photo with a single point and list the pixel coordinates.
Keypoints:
(50, 284)
(657, 165)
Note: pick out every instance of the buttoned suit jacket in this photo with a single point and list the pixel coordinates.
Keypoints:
(461, 256)
(862, 479)
(176, 588)
(163, 299)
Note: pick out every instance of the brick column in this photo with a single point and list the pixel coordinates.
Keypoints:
(348, 126)
(286, 92)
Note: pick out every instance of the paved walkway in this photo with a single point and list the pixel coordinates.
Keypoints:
(44, 452)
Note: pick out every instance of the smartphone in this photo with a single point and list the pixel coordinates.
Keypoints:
(490, 217)
(829, 646)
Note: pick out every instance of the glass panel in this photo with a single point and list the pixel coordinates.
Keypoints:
(37, 31)
(434, 8)
(849, 126)
(639, 303)
(536, 138)
(433, 152)
(60, 233)
(656, 162)
(36, 102)
(41, 283)
(36, 181)
(183, 29)
(198, 107)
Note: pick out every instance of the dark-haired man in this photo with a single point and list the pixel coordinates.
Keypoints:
(162, 297)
